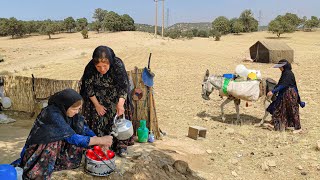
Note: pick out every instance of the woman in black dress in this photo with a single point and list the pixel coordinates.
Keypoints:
(104, 88)
(285, 109)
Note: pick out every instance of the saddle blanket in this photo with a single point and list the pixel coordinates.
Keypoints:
(245, 90)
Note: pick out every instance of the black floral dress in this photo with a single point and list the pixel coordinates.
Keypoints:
(107, 88)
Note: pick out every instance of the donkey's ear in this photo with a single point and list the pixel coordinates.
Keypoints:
(207, 73)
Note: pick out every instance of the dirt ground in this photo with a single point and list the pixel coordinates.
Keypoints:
(229, 151)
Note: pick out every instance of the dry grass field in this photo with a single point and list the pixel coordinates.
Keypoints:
(229, 151)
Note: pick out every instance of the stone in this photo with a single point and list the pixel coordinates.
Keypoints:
(233, 161)
(299, 167)
(272, 163)
(209, 151)
(303, 173)
(182, 167)
(264, 166)
(240, 141)
(234, 173)
(229, 131)
(318, 145)
(168, 168)
(136, 155)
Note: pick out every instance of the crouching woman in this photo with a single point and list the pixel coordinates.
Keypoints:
(58, 138)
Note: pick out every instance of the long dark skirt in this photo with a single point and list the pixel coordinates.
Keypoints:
(39, 161)
(286, 113)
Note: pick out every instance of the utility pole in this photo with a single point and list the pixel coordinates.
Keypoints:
(156, 20)
(162, 32)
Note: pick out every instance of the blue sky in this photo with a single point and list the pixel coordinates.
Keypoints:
(143, 11)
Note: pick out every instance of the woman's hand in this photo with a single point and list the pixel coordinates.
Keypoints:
(120, 106)
(104, 141)
(101, 110)
(270, 93)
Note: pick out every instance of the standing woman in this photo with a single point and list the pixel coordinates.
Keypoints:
(104, 88)
(285, 109)
(58, 137)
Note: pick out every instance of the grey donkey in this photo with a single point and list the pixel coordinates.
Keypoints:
(216, 82)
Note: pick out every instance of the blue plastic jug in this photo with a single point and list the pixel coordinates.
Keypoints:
(8, 172)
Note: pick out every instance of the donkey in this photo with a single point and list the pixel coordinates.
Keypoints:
(216, 82)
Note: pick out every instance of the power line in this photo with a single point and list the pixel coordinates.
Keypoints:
(167, 17)
(259, 19)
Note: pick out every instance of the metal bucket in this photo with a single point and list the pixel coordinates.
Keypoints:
(99, 168)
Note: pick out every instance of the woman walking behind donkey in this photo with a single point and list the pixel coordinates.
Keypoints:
(285, 109)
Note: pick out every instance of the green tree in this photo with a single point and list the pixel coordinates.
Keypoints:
(96, 26)
(99, 14)
(231, 22)
(112, 22)
(15, 27)
(127, 23)
(292, 19)
(312, 23)
(82, 24)
(69, 23)
(248, 21)
(221, 24)
(174, 33)
(48, 28)
(188, 34)
(60, 27)
(281, 25)
(30, 27)
(203, 33)
(237, 27)
(4, 26)
(195, 32)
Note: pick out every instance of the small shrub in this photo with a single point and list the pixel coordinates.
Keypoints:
(85, 34)
(217, 36)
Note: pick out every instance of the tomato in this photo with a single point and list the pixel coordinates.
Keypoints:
(94, 157)
(110, 154)
(101, 154)
(97, 148)
(105, 158)
(90, 153)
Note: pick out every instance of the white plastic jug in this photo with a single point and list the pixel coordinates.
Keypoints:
(6, 102)
(19, 171)
(241, 70)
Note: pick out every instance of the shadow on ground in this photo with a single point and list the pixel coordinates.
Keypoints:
(230, 118)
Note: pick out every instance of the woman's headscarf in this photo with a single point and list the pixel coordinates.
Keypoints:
(52, 124)
(64, 99)
(287, 78)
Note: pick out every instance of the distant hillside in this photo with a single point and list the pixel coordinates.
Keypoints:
(144, 28)
(188, 26)
(181, 26)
